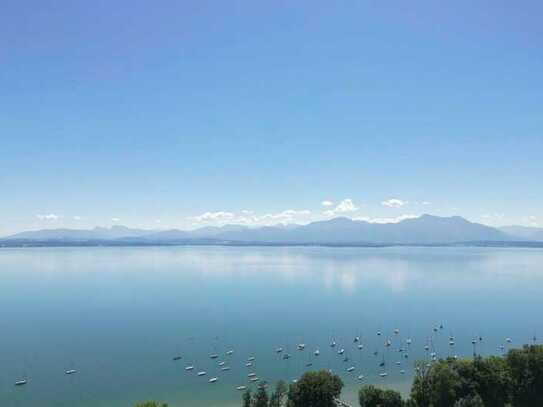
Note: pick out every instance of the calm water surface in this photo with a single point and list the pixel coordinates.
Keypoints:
(119, 315)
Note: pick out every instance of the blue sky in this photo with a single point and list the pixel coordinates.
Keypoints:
(153, 115)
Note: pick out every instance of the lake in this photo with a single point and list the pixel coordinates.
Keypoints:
(119, 315)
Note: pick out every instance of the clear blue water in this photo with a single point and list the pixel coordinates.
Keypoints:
(119, 315)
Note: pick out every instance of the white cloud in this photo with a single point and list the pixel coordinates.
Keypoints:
(115, 220)
(394, 203)
(327, 203)
(249, 218)
(345, 206)
(76, 217)
(530, 221)
(49, 216)
(220, 216)
(397, 219)
(426, 203)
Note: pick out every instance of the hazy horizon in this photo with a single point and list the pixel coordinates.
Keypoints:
(243, 223)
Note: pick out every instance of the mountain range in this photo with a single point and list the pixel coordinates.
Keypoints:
(424, 230)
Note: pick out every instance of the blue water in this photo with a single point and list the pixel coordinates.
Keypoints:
(119, 315)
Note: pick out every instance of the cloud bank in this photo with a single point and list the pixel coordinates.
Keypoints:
(249, 218)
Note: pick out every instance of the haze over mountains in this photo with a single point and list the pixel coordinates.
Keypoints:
(98, 233)
(426, 230)
(524, 232)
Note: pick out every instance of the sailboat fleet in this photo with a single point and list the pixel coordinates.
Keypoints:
(393, 341)
(390, 344)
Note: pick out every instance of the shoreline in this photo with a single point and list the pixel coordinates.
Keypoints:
(109, 243)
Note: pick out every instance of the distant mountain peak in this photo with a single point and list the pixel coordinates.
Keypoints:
(426, 229)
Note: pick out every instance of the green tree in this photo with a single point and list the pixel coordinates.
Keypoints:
(526, 367)
(392, 398)
(315, 389)
(494, 381)
(246, 399)
(471, 401)
(278, 396)
(261, 398)
(151, 404)
(371, 396)
(449, 381)
(436, 386)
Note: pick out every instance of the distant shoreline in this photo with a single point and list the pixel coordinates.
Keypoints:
(109, 243)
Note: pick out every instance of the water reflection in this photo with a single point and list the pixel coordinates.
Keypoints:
(119, 314)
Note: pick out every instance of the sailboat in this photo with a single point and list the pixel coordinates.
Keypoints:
(382, 364)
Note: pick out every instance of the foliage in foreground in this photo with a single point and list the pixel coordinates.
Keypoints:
(151, 404)
(315, 389)
(526, 370)
(514, 380)
(481, 381)
(370, 396)
(261, 398)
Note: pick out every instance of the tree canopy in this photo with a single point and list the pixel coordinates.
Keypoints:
(371, 396)
(315, 389)
(526, 370)
(151, 404)
(278, 396)
(516, 379)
